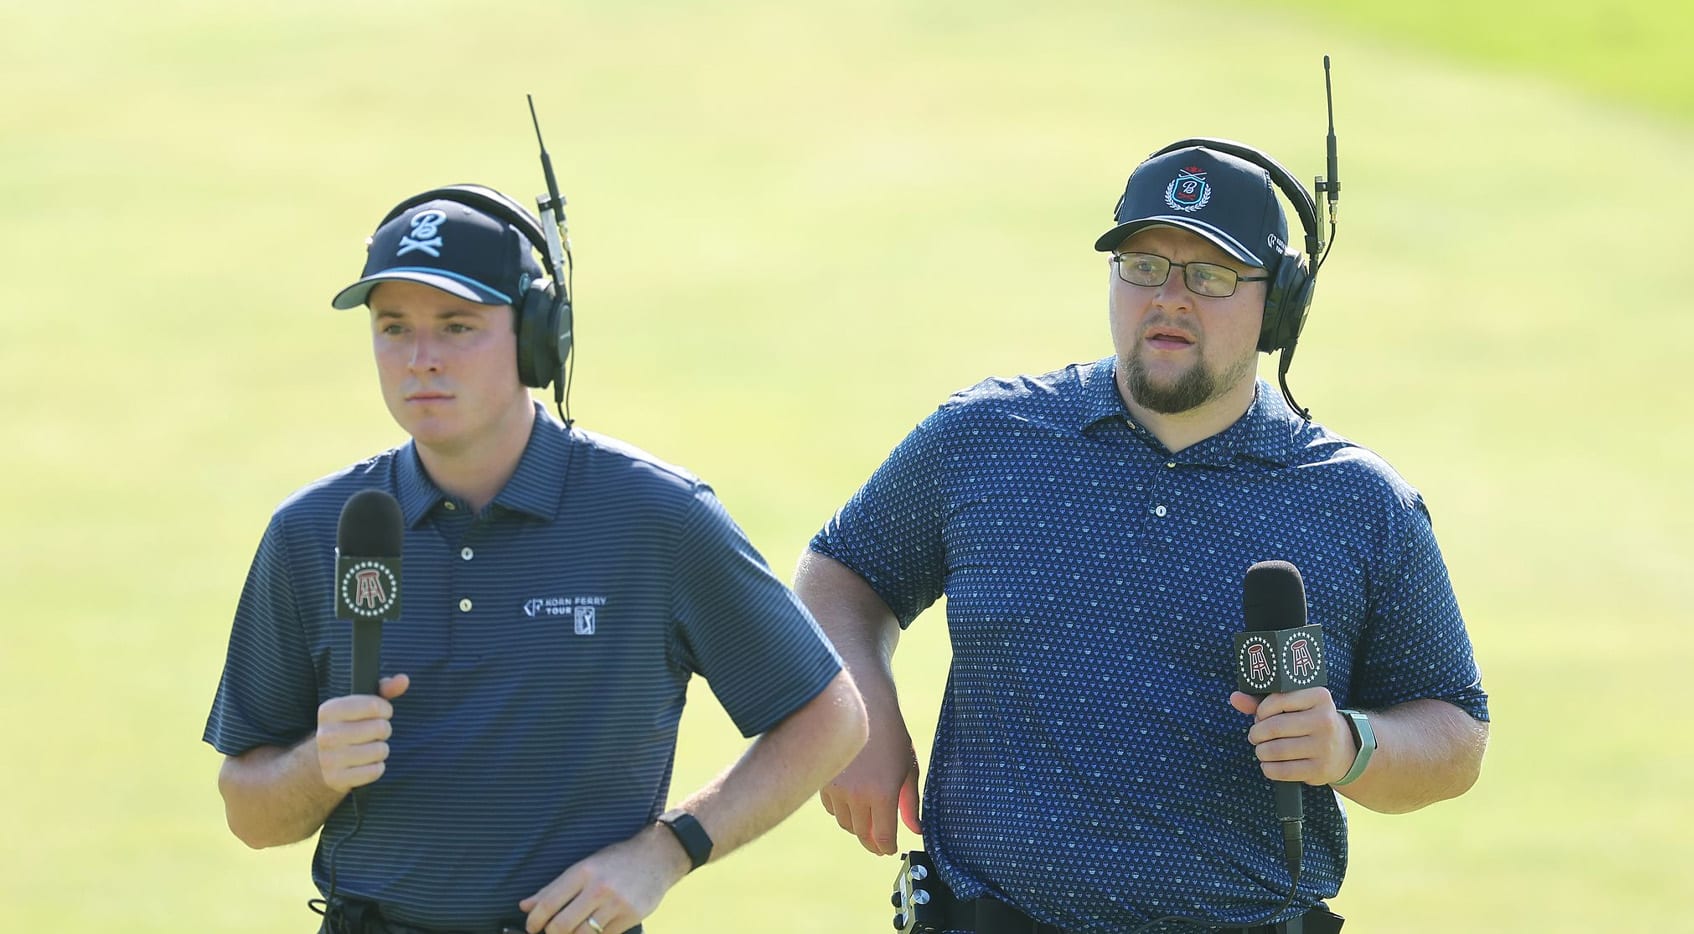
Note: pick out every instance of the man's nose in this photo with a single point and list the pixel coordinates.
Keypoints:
(424, 355)
(1174, 292)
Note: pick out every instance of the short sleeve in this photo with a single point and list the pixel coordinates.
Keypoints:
(1415, 642)
(268, 693)
(739, 626)
(890, 533)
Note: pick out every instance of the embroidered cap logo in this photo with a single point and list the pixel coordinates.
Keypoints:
(426, 234)
(1189, 190)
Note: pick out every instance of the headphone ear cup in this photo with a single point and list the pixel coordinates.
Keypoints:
(538, 363)
(1286, 301)
(562, 331)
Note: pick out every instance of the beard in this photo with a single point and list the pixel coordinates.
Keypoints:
(1196, 386)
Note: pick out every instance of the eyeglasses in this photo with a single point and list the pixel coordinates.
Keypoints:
(1208, 279)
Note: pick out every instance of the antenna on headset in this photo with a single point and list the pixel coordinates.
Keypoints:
(557, 232)
(1316, 248)
(1332, 186)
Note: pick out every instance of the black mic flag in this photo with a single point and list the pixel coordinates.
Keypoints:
(367, 577)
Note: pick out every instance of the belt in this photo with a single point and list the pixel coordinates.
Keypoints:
(356, 916)
(987, 915)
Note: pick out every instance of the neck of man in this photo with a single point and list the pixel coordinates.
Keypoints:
(1180, 430)
(477, 470)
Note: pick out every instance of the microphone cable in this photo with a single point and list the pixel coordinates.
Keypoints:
(322, 906)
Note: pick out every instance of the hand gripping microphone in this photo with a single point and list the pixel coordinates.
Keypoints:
(1279, 652)
(367, 577)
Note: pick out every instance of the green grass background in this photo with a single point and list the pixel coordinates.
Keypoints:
(797, 229)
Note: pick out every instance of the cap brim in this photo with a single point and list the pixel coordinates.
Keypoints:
(1110, 239)
(460, 286)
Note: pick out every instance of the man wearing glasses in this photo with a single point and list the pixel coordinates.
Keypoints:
(1091, 528)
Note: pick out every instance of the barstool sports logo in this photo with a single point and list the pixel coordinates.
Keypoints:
(581, 610)
(369, 589)
(1281, 660)
(1255, 663)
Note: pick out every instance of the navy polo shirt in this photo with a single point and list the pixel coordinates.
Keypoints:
(549, 640)
(1087, 765)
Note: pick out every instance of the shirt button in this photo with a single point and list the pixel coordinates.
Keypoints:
(1170, 464)
(467, 554)
(450, 506)
(1157, 511)
(465, 605)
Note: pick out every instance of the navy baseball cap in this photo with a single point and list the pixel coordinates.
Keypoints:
(452, 247)
(1221, 197)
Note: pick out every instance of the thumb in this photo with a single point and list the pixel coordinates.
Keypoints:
(394, 686)
(1244, 703)
(909, 801)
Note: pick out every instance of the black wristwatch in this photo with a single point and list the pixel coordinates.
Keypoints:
(693, 837)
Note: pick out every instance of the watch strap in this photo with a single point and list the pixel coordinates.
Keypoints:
(1365, 736)
(693, 837)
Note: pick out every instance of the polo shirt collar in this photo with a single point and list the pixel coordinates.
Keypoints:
(533, 488)
(1100, 397)
(1268, 431)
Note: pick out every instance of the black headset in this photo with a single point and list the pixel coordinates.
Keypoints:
(1293, 273)
(542, 314)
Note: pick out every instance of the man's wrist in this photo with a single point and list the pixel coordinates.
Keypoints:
(690, 837)
(1364, 740)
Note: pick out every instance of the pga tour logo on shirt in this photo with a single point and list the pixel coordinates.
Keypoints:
(581, 610)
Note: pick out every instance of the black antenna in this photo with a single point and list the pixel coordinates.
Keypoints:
(1332, 186)
(557, 231)
(1316, 248)
(556, 201)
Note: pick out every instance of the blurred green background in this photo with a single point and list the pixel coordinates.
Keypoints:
(797, 228)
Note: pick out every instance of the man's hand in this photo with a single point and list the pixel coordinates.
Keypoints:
(617, 887)
(353, 733)
(881, 781)
(1298, 736)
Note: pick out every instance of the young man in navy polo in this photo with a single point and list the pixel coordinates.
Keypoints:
(560, 588)
(1091, 529)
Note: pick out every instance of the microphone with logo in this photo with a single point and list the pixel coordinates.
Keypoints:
(1280, 653)
(367, 578)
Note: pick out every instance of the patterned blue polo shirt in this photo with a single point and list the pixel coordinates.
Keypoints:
(1087, 767)
(549, 640)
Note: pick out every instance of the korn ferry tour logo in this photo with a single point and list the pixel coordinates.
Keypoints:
(1189, 191)
(581, 610)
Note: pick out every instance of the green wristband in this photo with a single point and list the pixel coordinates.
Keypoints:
(1365, 736)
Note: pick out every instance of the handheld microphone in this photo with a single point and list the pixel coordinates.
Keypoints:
(367, 577)
(1279, 652)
